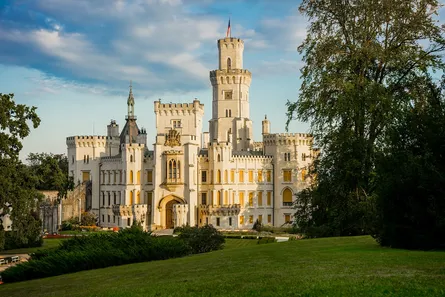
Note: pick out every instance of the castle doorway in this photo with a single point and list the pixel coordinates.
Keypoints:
(169, 223)
(167, 211)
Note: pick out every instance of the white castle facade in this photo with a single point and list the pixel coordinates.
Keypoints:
(221, 177)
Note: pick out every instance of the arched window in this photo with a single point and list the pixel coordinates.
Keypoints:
(226, 176)
(131, 158)
(131, 176)
(131, 197)
(229, 64)
(138, 198)
(230, 113)
(218, 195)
(287, 197)
(139, 177)
(218, 177)
(227, 113)
(226, 197)
(219, 158)
(178, 176)
(173, 169)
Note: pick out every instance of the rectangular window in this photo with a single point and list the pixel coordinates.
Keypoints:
(114, 219)
(203, 176)
(303, 157)
(251, 219)
(241, 198)
(149, 198)
(85, 176)
(251, 199)
(269, 198)
(287, 175)
(230, 221)
(260, 218)
(232, 176)
(241, 176)
(260, 176)
(103, 218)
(241, 220)
(149, 176)
(217, 222)
(287, 218)
(128, 222)
(250, 176)
(260, 198)
(268, 176)
(108, 218)
(269, 219)
(114, 177)
(176, 123)
(204, 198)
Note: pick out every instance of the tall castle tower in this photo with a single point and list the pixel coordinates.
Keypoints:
(230, 107)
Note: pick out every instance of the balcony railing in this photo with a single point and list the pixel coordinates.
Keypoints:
(129, 210)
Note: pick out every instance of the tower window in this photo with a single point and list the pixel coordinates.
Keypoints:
(229, 64)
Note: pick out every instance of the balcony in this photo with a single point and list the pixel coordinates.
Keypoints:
(220, 210)
(130, 210)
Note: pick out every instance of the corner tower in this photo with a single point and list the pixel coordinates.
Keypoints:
(230, 107)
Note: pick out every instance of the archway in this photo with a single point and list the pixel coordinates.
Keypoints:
(166, 210)
(169, 224)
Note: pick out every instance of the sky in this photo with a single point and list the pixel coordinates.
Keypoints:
(74, 59)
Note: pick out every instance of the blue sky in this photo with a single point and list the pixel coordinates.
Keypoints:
(73, 59)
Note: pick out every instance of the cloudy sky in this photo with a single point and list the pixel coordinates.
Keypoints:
(74, 59)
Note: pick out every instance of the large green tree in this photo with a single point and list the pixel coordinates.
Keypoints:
(52, 172)
(18, 196)
(411, 175)
(362, 59)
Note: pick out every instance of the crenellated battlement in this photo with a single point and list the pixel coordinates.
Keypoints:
(287, 139)
(232, 76)
(178, 108)
(89, 141)
(231, 40)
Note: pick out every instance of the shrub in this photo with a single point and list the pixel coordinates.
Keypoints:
(257, 226)
(97, 251)
(202, 239)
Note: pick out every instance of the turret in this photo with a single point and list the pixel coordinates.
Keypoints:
(113, 129)
(266, 126)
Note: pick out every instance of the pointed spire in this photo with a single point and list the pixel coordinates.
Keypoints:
(130, 101)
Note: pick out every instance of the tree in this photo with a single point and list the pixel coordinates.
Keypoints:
(18, 196)
(362, 59)
(411, 176)
(52, 172)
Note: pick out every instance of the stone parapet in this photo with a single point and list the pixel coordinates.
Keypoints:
(220, 210)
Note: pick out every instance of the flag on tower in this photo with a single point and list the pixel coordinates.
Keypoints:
(228, 30)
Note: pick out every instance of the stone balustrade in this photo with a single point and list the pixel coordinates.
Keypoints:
(130, 210)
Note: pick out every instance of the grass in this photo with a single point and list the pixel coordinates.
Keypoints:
(47, 244)
(348, 266)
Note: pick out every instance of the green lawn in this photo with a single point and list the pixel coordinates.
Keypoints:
(354, 266)
(47, 243)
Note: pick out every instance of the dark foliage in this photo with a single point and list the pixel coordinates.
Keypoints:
(97, 251)
(202, 239)
(411, 177)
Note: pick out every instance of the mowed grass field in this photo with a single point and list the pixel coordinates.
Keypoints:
(347, 266)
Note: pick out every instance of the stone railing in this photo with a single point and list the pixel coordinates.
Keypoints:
(130, 210)
(220, 210)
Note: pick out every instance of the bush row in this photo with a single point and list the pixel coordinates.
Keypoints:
(110, 249)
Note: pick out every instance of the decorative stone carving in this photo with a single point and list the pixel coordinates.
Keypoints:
(180, 214)
(173, 138)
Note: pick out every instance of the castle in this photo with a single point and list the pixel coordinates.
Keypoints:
(221, 177)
